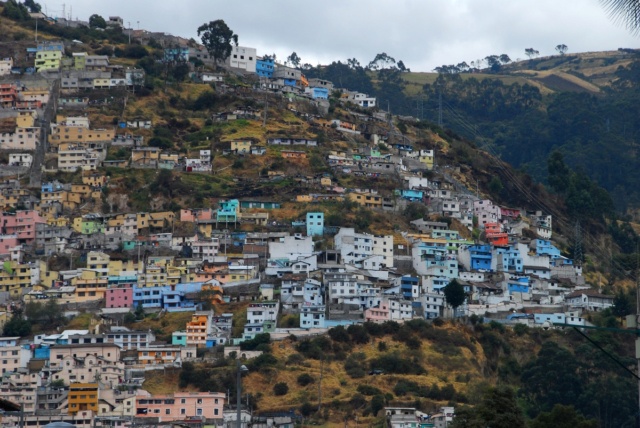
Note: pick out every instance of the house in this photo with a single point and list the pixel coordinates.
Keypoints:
(243, 58)
(293, 154)
(6, 64)
(315, 223)
(355, 248)
(181, 406)
(240, 146)
(589, 300)
(265, 67)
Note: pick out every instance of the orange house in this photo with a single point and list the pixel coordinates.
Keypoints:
(495, 235)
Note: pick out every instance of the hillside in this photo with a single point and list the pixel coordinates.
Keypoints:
(427, 366)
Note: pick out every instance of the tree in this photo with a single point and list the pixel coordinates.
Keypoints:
(531, 52)
(217, 37)
(504, 58)
(498, 409)
(17, 325)
(96, 21)
(403, 67)
(626, 12)
(454, 294)
(280, 388)
(33, 6)
(563, 417)
(294, 60)
(562, 49)
(381, 61)
(14, 10)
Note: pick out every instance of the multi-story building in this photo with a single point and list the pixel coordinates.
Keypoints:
(243, 58)
(83, 397)
(6, 64)
(356, 247)
(48, 60)
(181, 406)
(12, 355)
(130, 339)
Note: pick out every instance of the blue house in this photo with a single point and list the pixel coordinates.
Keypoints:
(290, 82)
(410, 287)
(511, 259)
(410, 195)
(319, 93)
(176, 54)
(518, 284)
(149, 297)
(315, 224)
(228, 211)
(264, 67)
(480, 257)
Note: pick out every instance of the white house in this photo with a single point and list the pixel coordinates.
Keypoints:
(355, 248)
(243, 58)
(20, 159)
(589, 300)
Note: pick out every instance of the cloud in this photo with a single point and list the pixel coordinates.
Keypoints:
(422, 33)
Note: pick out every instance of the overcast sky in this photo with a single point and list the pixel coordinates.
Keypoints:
(422, 33)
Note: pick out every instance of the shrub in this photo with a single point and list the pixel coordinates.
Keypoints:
(521, 329)
(355, 365)
(305, 379)
(394, 363)
(280, 388)
(368, 390)
(339, 334)
(307, 409)
(382, 346)
(295, 359)
(358, 333)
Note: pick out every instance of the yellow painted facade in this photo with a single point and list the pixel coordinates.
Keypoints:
(83, 397)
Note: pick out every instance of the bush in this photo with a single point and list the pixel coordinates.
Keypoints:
(355, 365)
(250, 345)
(368, 390)
(280, 388)
(339, 334)
(307, 409)
(263, 360)
(521, 329)
(358, 333)
(394, 363)
(305, 379)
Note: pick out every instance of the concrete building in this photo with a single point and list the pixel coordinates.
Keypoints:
(356, 247)
(243, 58)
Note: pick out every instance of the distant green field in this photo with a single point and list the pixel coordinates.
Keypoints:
(415, 81)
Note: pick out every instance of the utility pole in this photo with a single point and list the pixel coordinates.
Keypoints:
(129, 23)
(266, 107)
(320, 384)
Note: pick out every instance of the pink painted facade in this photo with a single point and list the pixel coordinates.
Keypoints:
(197, 215)
(511, 213)
(7, 243)
(181, 405)
(378, 314)
(22, 224)
(121, 297)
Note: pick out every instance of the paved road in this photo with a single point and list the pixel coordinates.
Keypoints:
(35, 177)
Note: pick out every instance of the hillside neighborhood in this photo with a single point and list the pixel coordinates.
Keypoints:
(66, 235)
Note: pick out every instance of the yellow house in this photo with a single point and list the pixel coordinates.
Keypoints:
(144, 155)
(101, 83)
(154, 277)
(26, 119)
(55, 221)
(90, 286)
(198, 328)
(366, 199)
(142, 220)
(99, 262)
(241, 146)
(161, 220)
(304, 198)
(206, 229)
(48, 60)
(174, 274)
(48, 277)
(427, 157)
(169, 157)
(79, 134)
(83, 397)
(116, 267)
(94, 180)
(325, 181)
(14, 278)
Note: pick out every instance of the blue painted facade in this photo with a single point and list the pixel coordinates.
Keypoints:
(518, 285)
(511, 259)
(42, 353)
(409, 286)
(176, 54)
(290, 82)
(480, 257)
(315, 224)
(319, 93)
(228, 211)
(265, 67)
(410, 195)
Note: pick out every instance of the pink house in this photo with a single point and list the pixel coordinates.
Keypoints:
(511, 213)
(120, 297)
(22, 224)
(197, 215)
(7, 243)
(181, 405)
(378, 314)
